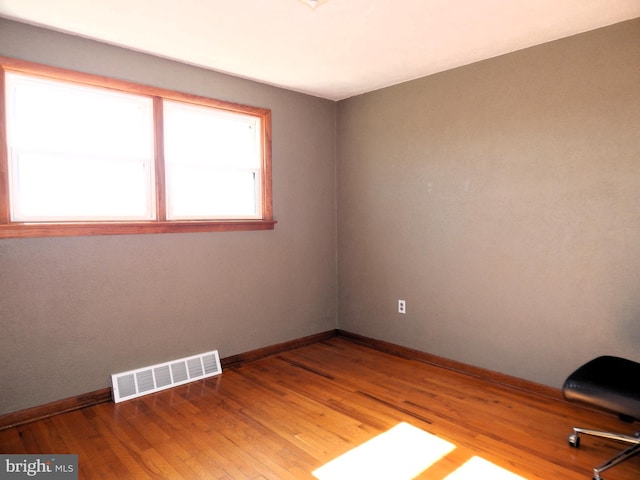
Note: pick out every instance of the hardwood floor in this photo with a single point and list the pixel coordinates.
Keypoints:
(284, 416)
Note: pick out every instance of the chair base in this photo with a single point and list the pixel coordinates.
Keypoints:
(634, 449)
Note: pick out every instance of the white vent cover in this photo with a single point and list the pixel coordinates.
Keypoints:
(142, 381)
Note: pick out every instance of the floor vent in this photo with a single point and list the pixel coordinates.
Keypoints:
(142, 381)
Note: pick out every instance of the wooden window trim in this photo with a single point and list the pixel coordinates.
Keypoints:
(9, 229)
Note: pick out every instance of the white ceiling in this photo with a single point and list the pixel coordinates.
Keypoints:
(339, 49)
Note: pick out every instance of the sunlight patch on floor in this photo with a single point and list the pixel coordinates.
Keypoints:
(400, 453)
(478, 467)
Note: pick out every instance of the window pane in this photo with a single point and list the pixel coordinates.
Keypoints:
(199, 193)
(50, 187)
(204, 135)
(78, 153)
(212, 163)
(56, 116)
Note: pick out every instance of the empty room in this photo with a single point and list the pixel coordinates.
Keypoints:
(333, 239)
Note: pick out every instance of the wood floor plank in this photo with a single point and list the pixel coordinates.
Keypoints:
(284, 416)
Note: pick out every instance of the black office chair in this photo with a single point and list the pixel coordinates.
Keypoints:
(612, 384)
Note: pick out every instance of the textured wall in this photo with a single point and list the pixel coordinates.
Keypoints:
(75, 310)
(501, 200)
(498, 199)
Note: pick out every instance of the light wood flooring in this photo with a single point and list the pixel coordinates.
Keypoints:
(284, 416)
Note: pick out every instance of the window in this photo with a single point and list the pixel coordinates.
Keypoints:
(212, 163)
(78, 153)
(87, 155)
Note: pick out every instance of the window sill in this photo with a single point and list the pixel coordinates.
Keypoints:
(31, 230)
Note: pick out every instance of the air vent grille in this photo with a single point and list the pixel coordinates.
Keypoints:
(142, 381)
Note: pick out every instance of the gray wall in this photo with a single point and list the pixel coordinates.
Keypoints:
(498, 199)
(502, 201)
(75, 310)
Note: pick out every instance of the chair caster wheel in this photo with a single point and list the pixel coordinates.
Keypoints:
(574, 441)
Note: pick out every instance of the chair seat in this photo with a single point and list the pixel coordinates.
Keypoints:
(609, 383)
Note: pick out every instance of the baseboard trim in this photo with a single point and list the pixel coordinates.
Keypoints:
(41, 412)
(478, 372)
(253, 355)
(103, 395)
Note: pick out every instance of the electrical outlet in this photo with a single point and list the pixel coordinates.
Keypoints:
(402, 306)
